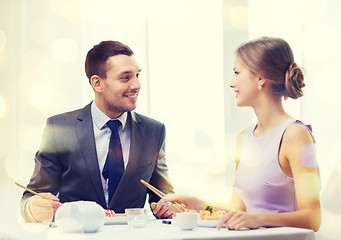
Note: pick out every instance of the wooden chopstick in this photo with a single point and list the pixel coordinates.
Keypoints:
(31, 191)
(154, 189)
(158, 192)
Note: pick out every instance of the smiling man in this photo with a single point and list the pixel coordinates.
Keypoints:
(101, 152)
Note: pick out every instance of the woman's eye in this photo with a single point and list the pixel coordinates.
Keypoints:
(235, 72)
(137, 75)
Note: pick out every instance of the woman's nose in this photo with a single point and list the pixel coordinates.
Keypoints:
(231, 83)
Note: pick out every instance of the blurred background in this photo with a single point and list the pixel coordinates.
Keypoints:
(185, 49)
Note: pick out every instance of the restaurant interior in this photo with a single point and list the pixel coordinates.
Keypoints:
(185, 50)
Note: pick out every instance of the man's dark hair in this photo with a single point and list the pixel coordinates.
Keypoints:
(96, 59)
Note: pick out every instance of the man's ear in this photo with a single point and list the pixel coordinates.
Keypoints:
(96, 83)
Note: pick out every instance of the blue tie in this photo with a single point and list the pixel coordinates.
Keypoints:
(114, 166)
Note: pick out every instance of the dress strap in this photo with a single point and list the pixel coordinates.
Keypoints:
(310, 129)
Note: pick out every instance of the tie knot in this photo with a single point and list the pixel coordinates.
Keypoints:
(114, 124)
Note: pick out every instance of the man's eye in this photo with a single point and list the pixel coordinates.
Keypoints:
(125, 78)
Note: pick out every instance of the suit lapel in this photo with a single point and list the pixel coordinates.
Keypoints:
(85, 133)
(136, 144)
(136, 140)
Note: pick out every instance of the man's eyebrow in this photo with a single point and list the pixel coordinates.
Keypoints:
(129, 72)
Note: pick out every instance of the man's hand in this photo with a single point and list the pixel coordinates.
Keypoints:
(43, 209)
(163, 209)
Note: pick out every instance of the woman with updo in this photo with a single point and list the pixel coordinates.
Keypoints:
(277, 180)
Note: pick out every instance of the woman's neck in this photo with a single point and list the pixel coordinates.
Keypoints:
(270, 114)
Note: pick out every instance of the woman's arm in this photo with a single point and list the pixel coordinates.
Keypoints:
(236, 203)
(297, 159)
(298, 152)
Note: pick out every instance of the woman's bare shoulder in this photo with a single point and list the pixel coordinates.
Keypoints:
(297, 132)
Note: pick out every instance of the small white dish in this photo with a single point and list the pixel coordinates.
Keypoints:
(115, 220)
(186, 221)
(207, 223)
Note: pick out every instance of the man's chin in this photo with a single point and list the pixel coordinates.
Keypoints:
(131, 107)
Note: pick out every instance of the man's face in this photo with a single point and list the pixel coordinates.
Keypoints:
(120, 88)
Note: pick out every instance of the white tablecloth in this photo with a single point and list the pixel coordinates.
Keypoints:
(154, 230)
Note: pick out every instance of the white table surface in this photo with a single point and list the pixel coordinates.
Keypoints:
(154, 230)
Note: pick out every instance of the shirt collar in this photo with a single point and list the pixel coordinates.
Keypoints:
(100, 119)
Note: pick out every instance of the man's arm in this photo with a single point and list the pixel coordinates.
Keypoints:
(44, 180)
(160, 177)
(160, 180)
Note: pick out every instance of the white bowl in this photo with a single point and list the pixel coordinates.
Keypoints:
(80, 216)
(186, 221)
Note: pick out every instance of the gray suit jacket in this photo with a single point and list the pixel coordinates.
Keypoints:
(66, 164)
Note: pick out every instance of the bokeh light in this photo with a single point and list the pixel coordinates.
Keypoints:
(239, 17)
(3, 107)
(319, 42)
(328, 93)
(42, 96)
(64, 50)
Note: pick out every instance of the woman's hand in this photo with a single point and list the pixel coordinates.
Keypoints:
(236, 220)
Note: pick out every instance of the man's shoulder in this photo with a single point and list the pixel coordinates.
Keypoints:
(80, 113)
(138, 117)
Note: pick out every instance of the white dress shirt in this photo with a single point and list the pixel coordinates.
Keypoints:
(102, 135)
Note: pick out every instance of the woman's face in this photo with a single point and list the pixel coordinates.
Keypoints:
(244, 83)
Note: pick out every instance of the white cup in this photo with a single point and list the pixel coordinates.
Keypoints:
(80, 216)
(186, 221)
(136, 217)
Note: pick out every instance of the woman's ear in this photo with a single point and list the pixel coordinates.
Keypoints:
(261, 81)
(96, 83)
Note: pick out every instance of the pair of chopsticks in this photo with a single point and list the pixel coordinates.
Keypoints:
(159, 193)
(31, 191)
(152, 188)
(34, 192)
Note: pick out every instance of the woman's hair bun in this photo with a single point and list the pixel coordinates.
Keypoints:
(294, 81)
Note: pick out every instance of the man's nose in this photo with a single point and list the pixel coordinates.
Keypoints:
(136, 83)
